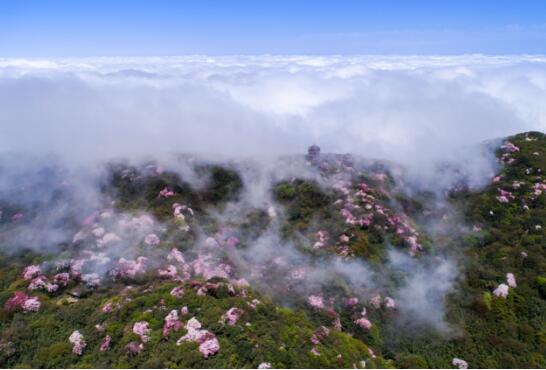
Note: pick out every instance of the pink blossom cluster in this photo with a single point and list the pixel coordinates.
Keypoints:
(152, 240)
(232, 316)
(361, 208)
(23, 301)
(509, 147)
(501, 291)
(316, 301)
(32, 271)
(363, 321)
(78, 343)
(505, 196)
(109, 307)
(108, 239)
(208, 344)
(318, 336)
(264, 365)
(142, 329)
(166, 193)
(511, 280)
(61, 279)
(41, 282)
(172, 323)
(105, 344)
(130, 268)
(134, 348)
(205, 267)
(538, 188)
(322, 238)
(177, 292)
(461, 364)
(91, 280)
(183, 269)
(179, 217)
(170, 272)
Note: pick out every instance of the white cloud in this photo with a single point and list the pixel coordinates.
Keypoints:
(413, 109)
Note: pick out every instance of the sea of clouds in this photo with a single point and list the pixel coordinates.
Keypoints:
(408, 109)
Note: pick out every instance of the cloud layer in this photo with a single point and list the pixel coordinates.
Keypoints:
(417, 110)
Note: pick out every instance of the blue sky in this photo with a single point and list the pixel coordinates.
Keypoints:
(62, 28)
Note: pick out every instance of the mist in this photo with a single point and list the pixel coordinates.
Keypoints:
(62, 121)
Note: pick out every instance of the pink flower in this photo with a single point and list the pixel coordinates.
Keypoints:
(98, 232)
(364, 323)
(316, 301)
(511, 280)
(264, 365)
(108, 239)
(61, 278)
(78, 343)
(134, 348)
(184, 310)
(208, 344)
(352, 301)
(105, 344)
(315, 351)
(232, 315)
(375, 301)
(30, 272)
(152, 239)
(166, 193)
(170, 272)
(344, 238)
(31, 305)
(17, 216)
(15, 301)
(389, 302)
(177, 292)
(461, 364)
(172, 323)
(501, 291)
(509, 147)
(209, 347)
(141, 328)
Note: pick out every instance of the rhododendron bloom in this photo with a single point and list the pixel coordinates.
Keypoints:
(461, 364)
(184, 310)
(177, 292)
(315, 351)
(108, 239)
(15, 301)
(152, 239)
(172, 323)
(17, 216)
(166, 193)
(501, 291)
(170, 272)
(31, 305)
(316, 301)
(352, 301)
(105, 344)
(208, 344)
(61, 278)
(511, 280)
(375, 301)
(209, 347)
(32, 271)
(254, 303)
(78, 343)
(232, 315)
(389, 302)
(264, 365)
(134, 348)
(98, 232)
(91, 280)
(141, 328)
(364, 323)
